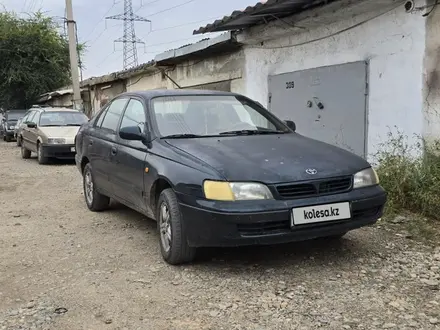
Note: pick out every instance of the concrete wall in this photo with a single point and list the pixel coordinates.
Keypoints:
(431, 75)
(195, 72)
(391, 40)
(106, 91)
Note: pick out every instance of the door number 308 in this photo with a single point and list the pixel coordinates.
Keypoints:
(290, 84)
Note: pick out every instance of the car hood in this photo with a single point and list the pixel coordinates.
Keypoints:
(66, 132)
(271, 158)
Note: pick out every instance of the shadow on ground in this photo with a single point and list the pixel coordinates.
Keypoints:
(320, 251)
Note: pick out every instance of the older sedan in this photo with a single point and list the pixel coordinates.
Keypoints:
(50, 132)
(217, 169)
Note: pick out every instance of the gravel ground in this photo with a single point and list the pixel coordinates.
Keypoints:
(63, 267)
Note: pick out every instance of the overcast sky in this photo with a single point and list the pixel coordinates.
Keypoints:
(103, 56)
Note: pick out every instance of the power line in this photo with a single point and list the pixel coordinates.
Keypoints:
(103, 18)
(184, 24)
(171, 8)
(146, 4)
(170, 42)
(100, 35)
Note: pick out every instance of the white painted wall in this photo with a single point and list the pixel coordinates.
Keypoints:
(431, 76)
(393, 43)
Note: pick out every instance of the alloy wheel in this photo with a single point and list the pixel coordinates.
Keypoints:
(165, 227)
(88, 187)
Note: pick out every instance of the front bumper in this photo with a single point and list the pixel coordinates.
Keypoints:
(215, 224)
(9, 133)
(62, 151)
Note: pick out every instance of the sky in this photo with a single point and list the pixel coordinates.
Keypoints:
(170, 27)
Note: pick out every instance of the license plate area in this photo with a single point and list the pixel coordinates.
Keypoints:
(320, 213)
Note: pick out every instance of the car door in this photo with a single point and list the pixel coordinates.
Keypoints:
(102, 146)
(128, 183)
(29, 134)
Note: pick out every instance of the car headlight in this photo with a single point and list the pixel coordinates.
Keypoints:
(56, 141)
(365, 178)
(11, 127)
(235, 191)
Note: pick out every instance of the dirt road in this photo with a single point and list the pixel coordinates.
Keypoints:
(63, 267)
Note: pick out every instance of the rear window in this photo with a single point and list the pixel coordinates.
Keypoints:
(62, 118)
(14, 116)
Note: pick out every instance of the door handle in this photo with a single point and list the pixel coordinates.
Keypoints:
(114, 151)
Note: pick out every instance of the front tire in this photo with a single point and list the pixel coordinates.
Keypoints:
(25, 153)
(96, 202)
(40, 155)
(172, 234)
(18, 141)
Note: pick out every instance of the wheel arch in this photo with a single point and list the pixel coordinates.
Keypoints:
(158, 186)
(84, 162)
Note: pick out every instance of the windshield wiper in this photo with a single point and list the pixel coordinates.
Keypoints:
(181, 136)
(73, 124)
(250, 132)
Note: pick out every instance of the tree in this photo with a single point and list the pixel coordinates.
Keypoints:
(34, 59)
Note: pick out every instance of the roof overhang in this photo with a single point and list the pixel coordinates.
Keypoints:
(204, 48)
(261, 13)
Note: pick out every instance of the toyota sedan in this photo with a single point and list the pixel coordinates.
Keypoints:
(218, 169)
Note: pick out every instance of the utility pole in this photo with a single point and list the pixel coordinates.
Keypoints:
(129, 39)
(77, 101)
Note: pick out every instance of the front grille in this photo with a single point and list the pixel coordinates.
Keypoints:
(316, 188)
(336, 185)
(297, 190)
(263, 228)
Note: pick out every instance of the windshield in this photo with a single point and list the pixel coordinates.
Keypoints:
(208, 115)
(62, 118)
(14, 116)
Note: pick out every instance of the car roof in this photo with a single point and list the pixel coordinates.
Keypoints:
(47, 109)
(175, 92)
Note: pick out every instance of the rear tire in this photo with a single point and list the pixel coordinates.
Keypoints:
(96, 202)
(7, 139)
(40, 155)
(172, 234)
(25, 153)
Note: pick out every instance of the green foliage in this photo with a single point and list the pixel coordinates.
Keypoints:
(410, 173)
(34, 59)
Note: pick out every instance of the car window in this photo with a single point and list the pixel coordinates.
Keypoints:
(31, 117)
(211, 115)
(113, 114)
(101, 115)
(36, 118)
(62, 118)
(134, 115)
(26, 117)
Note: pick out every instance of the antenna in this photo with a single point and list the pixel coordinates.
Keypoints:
(129, 38)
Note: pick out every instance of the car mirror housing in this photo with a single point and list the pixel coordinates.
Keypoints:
(132, 133)
(291, 125)
(31, 125)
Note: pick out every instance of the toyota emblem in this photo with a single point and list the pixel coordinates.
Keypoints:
(311, 171)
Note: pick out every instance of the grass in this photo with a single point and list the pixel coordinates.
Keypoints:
(410, 173)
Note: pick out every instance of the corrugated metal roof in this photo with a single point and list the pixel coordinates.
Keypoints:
(261, 13)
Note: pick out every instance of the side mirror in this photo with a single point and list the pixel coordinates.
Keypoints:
(132, 133)
(291, 125)
(31, 125)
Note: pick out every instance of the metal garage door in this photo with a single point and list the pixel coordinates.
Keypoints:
(326, 103)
